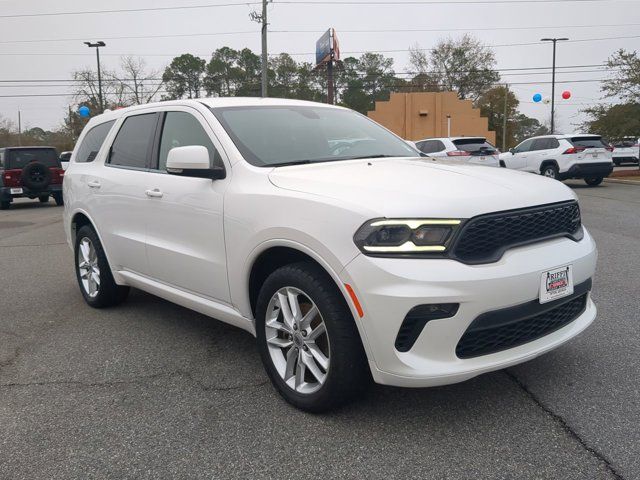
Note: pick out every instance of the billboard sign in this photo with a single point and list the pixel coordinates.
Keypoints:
(323, 48)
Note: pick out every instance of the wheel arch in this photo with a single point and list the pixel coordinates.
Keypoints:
(548, 162)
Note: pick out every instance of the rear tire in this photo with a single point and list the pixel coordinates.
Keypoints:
(44, 198)
(312, 371)
(57, 196)
(550, 171)
(617, 163)
(593, 182)
(93, 272)
(5, 205)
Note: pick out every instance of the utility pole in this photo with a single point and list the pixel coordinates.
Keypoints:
(553, 76)
(97, 46)
(504, 118)
(330, 83)
(262, 18)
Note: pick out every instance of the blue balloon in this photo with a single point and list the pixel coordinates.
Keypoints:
(84, 111)
(537, 97)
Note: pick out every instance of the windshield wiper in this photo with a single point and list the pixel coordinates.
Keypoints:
(370, 156)
(286, 164)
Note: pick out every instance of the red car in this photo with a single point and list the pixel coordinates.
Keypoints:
(32, 172)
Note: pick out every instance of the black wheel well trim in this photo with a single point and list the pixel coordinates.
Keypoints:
(544, 163)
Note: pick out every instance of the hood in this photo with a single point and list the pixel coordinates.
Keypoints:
(420, 187)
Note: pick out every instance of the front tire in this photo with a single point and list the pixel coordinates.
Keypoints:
(593, 182)
(550, 171)
(308, 340)
(93, 272)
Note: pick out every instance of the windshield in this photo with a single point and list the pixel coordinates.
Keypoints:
(269, 136)
(20, 157)
(474, 145)
(588, 142)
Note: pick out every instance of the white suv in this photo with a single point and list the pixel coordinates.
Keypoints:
(562, 157)
(347, 254)
(474, 150)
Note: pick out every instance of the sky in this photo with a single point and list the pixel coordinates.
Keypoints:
(38, 42)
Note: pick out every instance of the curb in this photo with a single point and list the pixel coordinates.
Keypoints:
(620, 180)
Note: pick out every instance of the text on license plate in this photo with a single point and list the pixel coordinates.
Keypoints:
(15, 191)
(556, 283)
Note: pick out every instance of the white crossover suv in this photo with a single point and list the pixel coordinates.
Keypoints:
(347, 254)
(474, 150)
(562, 157)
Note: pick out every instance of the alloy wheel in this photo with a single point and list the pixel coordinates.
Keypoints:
(88, 267)
(297, 340)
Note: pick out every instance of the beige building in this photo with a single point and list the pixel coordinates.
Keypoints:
(419, 115)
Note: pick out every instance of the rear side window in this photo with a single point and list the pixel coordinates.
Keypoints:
(19, 158)
(132, 145)
(92, 142)
(545, 144)
(588, 142)
(473, 144)
(182, 129)
(431, 146)
(624, 144)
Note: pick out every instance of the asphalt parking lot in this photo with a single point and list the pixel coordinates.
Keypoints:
(152, 390)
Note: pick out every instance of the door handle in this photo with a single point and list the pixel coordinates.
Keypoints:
(93, 184)
(154, 193)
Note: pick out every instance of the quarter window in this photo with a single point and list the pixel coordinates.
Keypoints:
(92, 142)
(132, 144)
(431, 146)
(182, 129)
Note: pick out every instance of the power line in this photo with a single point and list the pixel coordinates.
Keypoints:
(288, 31)
(430, 2)
(129, 10)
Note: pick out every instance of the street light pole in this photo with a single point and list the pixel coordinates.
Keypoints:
(97, 46)
(553, 76)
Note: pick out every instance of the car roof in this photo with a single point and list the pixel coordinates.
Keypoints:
(217, 102)
(469, 137)
(566, 135)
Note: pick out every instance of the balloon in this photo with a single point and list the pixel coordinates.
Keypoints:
(84, 111)
(566, 94)
(537, 97)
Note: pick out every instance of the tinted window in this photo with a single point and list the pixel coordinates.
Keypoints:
(19, 158)
(92, 142)
(183, 129)
(524, 146)
(131, 146)
(588, 142)
(273, 135)
(431, 146)
(540, 144)
(474, 145)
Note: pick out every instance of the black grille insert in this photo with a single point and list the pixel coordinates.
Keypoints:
(485, 238)
(510, 327)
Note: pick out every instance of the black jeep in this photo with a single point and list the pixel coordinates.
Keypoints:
(32, 172)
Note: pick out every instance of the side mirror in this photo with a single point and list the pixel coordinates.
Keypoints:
(193, 161)
(512, 151)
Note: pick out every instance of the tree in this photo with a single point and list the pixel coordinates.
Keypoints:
(184, 77)
(526, 127)
(364, 80)
(614, 122)
(491, 105)
(625, 82)
(138, 86)
(464, 65)
(86, 90)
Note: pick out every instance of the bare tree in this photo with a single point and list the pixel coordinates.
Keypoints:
(138, 85)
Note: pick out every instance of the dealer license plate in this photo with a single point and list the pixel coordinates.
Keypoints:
(16, 191)
(556, 283)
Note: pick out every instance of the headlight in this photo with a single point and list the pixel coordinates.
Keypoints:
(406, 236)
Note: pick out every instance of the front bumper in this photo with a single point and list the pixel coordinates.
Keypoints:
(389, 288)
(7, 196)
(587, 170)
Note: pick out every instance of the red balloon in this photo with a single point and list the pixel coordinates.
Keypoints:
(566, 94)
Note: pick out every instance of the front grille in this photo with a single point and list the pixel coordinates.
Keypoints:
(485, 238)
(510, 327)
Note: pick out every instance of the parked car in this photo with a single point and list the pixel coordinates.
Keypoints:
(64, 159)
(32, 172)
(626, 151)
(346, 264)
(465, 149)
(563, 157)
